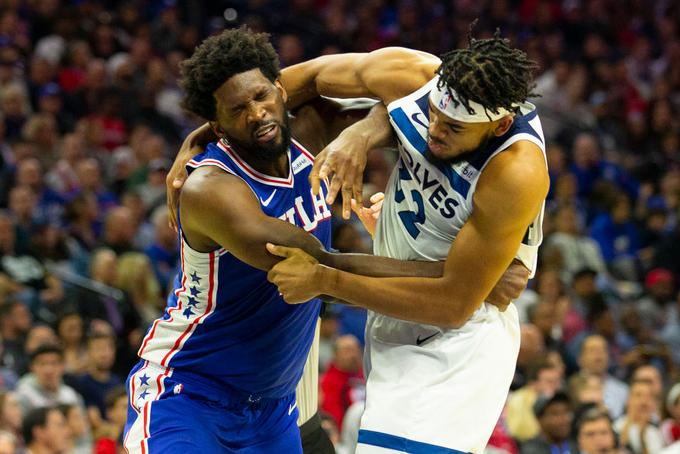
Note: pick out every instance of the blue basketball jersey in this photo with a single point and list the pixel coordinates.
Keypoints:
(224, 321)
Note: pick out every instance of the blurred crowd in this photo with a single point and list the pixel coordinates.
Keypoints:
(90, 121)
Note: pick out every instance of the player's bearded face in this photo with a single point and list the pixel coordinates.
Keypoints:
(458, 149)
(251, 115)
(453, 141)
(266, 149)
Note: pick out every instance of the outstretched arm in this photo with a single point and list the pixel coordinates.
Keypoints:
(509, 195)
(353, 133)
(220, 210)
(386, 74)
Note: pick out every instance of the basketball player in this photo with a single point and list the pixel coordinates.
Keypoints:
(218, 371)
(469, 186)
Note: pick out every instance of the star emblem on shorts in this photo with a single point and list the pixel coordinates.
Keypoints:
(187, 312)
(143, 394)
(144, 380)
(195, 278)
(191, 301)
(194, 291)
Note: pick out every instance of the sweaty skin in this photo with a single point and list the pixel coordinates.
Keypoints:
(509, 195)
(211, 199)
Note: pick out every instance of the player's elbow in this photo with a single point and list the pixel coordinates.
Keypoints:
(457, 313)
(452, 321)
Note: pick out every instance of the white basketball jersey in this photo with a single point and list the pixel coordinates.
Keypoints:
(427, 202)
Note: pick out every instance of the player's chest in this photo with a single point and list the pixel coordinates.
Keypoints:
(431, 198)
(296, 205)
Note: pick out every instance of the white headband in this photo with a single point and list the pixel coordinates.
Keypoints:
(446, 100)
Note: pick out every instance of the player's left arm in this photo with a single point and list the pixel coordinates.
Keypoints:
(509, 195)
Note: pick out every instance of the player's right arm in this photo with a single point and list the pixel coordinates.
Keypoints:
(219, 210)
(386, 74)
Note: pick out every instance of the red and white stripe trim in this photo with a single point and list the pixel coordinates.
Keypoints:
(254, 174)
(168, 335)
(146, 387)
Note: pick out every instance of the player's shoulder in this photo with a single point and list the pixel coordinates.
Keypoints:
(209, 184)
(520, 170)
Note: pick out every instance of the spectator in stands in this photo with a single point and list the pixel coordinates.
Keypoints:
(102, 303)
(62, 177)
(70, 331)
(82, 217)
(543, 380)
(38, 335)
(79, 440)
(601, 321)
(91, 180)
(343, 383)
(164, 252)
(582, 294)
(328, 334)
(98, 379)
(11, 416)
(8, 443)
(45, 431)
(29, 280)
(153, 190)
(15, 322)
(15, 108)
(650, 373)
(617, 236)
(41, 130)
(531, 346)
(586, 390)
(670, 428)
(660, 290)
(635, 428)
(50, 101)
(136, 278)
(574, 249)
(554, 416)
(119, 230)
(594, 360)
(22, 203)
(609, 103)
(594, 432)
(50, 204)
(544, 315)
(44, 385)
(590, 168)
(108, 433)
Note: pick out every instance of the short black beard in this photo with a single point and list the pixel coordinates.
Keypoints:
(260, 153)
(466, 155)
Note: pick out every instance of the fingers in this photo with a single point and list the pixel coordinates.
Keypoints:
(358, 187)
(377, 197)
(280, 251)
(172, 198)
(319, 172)
(346, 201)
(355, 206)
(376, 208)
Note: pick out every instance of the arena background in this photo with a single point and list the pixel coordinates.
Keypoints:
(90, 122)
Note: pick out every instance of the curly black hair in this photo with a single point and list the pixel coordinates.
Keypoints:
(489, 72)
(220, 57)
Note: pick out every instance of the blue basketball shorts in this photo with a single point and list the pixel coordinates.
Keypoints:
(172, 415)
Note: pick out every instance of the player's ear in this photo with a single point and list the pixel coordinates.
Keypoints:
(503, 125)
(281, 90)
(216, 129)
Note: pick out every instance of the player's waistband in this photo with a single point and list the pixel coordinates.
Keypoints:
(201, 387)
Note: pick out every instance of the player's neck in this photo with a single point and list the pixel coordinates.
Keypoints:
(276, 167)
